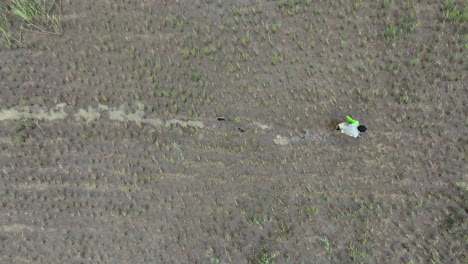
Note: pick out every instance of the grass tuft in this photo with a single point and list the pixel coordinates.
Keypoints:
(37, 15)
(33, 15)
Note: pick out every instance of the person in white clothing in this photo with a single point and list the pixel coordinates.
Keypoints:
(351, 127)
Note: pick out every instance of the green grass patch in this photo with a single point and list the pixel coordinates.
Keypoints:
(454, 13)
(17, 16)
(37, 15)
(6, 30)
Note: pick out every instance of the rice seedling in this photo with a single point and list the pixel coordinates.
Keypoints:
(326, 245)
(277, 58)
(245, 39)
(176, 22)
(194, 76)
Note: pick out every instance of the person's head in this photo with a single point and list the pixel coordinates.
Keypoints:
(362, 128)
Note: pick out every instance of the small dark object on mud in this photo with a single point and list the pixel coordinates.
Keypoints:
(221, 119)
(333, 124)
(241, 130)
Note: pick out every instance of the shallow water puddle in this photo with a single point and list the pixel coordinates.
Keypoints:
(120, 114)
(34, 112)
(92, 114)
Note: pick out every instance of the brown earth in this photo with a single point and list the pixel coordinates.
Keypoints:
(163, 181)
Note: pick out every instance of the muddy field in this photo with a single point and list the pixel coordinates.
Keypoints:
(203, 132)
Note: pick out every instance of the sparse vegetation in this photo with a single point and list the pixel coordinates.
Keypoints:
(206, 130)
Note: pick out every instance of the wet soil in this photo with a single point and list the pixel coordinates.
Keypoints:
(204, 132)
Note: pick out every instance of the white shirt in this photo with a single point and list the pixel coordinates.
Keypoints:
(349, 129)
